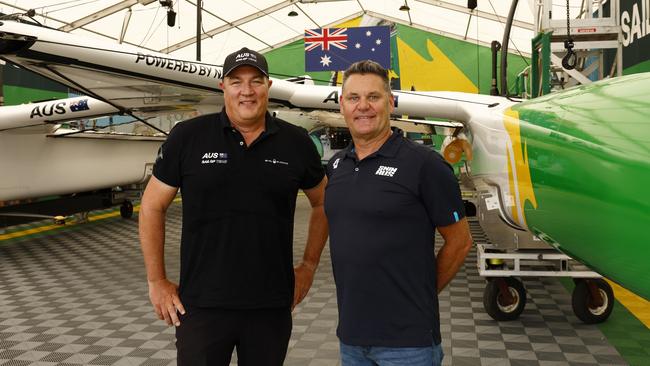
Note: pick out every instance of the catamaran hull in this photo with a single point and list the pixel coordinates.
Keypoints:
(35, 165)
(573, 168)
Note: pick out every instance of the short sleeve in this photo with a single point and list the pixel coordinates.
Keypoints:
(167, 166)
(314, 171)
(440, 191)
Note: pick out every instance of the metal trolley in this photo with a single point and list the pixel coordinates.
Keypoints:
(504, 297)
(512, 253)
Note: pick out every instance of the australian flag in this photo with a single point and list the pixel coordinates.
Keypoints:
(80, 105)
(334, 49)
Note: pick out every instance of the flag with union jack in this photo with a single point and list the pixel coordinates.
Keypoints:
(334, 49)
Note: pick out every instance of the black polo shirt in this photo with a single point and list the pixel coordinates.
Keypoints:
(238, 208)
(382, 214)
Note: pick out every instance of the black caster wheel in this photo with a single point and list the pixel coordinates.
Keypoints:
(498, 305)
(586, 304)
(126, 210)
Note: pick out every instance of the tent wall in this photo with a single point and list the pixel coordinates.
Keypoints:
(423, 61)
(22, 86)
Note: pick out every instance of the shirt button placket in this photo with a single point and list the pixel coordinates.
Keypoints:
(355, 176)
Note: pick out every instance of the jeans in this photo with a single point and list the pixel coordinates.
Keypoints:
(391, 356)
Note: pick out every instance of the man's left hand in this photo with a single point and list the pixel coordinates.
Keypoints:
(304, 276)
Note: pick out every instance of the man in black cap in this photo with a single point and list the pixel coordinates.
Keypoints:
(239, 172)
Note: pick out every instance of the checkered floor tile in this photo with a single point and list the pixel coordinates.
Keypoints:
(79, 297)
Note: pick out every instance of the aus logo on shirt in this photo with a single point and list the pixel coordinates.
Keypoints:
(214, 158)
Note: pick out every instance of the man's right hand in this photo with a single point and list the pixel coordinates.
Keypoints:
(166, 303)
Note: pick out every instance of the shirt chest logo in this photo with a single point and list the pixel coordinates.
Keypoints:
(214, 158)
(275, 161)
(386, 171)
(336, 163)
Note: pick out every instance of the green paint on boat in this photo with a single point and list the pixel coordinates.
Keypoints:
(589, 155)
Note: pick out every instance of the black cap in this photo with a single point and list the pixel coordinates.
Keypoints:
(245, 57)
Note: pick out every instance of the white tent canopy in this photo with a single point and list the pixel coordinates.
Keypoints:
(264, 24)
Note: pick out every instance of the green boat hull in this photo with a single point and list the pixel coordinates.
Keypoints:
(588, 153)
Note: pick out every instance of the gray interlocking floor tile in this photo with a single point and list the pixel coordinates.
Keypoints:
(79, 297)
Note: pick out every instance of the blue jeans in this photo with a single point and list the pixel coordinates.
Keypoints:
(391, 356)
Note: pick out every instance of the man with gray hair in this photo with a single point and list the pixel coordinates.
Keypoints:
(384, 200)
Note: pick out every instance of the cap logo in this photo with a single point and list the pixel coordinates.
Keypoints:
(245, 56)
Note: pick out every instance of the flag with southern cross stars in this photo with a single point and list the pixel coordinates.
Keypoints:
(334, 49)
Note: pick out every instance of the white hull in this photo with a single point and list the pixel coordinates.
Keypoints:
(36, 165)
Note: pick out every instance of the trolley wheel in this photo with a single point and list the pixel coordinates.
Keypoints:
(497, 305)
(586, 307)
(126, 210)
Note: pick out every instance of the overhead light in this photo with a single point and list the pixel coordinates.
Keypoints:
(471, 4)
(171, 17)
(167, 3)
(404, 7)
(292, 13)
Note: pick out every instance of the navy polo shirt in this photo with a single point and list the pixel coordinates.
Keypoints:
(238, 208)
(382, 214)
